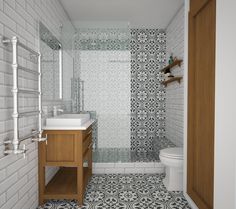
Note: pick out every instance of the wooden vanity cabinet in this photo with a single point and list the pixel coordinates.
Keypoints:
(67, 149)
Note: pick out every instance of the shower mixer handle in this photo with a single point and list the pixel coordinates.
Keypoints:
(56, 110)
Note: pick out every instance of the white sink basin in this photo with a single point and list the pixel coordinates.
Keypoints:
(68, 120)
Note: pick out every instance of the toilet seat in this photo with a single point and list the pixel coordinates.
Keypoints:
(173, 153)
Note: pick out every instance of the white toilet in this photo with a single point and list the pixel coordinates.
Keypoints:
(172, 159)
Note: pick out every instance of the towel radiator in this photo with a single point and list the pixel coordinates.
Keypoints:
(35, 135)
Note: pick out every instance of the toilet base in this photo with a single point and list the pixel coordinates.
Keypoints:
(173, 180)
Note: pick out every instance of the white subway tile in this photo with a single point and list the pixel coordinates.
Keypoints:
(34, 190)
(23, 190)
(18, 185)
(8, 10)
(154, 170)
(30, 10)
(158, 165)
(124, 165)
(22, 11)
(27, 168)
(4, 19)
(10, 3)
(2, 127)
(2, 199)
(98, 171)
(1, 30)
(11, 202)
(14, 167)
(32, 201)
(104, 165)
(114, 170)
(1, 4)
(8, 183)
(20, 18)
(2, 174)
(21, 203)
(7, 160)
(134, 170)
(28, 36)
(175, 91)
(144, 164)
(21, 3)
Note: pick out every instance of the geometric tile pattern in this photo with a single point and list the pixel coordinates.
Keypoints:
(103, 39)
(47, 37)
(125, 191)
(148, 56)
(160, 143)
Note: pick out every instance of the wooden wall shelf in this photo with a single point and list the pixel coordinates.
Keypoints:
(168, 67)
(172, 80)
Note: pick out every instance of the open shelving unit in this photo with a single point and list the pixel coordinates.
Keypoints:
(177, 62)
(63, 184)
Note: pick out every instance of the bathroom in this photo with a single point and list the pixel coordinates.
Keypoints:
(100, 106)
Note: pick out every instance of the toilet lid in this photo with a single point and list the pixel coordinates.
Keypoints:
(174, 152)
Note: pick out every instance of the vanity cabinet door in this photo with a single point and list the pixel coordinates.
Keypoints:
(60, 147)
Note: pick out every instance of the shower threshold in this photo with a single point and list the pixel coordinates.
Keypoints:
(124, 161)
(123, 155)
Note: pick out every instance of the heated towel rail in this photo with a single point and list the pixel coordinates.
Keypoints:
(35, 135)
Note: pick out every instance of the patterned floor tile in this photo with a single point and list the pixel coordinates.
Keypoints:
(130, 191)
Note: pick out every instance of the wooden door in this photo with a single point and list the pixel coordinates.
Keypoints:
(201, 90)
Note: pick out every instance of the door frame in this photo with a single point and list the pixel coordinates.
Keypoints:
(222, 169)
(186, 27)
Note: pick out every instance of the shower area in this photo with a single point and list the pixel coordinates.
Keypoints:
(117, 80)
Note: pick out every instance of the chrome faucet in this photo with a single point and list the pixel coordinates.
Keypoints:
(56, 110)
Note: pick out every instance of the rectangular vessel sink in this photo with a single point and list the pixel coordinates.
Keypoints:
(66, 120)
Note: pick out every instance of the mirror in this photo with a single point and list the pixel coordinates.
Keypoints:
(51, 62)
(68, 68)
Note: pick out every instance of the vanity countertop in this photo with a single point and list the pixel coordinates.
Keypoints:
(82, 127)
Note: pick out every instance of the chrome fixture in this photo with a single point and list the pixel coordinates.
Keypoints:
(15, 149)
(82, 95)
(60, 73)
(56, 110)
(77, 95)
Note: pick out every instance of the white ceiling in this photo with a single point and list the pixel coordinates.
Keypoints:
(139, 13)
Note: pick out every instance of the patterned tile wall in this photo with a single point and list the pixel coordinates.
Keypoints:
(148, 55)
(103, 39)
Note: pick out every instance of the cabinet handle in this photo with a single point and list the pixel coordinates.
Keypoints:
(89, 132)
(91, 144)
